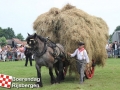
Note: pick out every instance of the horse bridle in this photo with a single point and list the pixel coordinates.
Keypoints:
(39, 54)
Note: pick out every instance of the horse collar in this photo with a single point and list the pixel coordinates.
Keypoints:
(43, 52)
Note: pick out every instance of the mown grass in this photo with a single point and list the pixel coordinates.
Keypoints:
(105, 78)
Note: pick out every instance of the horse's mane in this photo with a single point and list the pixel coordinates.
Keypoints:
(38, 36)
(41, 38)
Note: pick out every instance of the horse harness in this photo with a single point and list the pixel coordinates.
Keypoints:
(55, 54)
(43, 52)
(53, 46)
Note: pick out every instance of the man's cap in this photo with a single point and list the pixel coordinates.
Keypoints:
(81, 43)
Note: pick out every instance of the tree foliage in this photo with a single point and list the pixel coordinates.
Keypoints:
(3, 41)
(20, 36)
(117, 28)
(8, 33)
(110, 38)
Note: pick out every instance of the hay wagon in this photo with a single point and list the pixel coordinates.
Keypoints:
(69, 26)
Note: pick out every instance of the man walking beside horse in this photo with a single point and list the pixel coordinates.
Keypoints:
(82, 59)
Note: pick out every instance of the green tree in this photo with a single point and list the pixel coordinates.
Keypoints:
(1, 32)
(117, 28)
(110, 38)
(8, 33)
(3, 41)
(20, 36)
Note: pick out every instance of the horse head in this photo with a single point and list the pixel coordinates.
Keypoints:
(33, 40)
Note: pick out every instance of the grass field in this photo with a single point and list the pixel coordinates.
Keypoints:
(105, 78)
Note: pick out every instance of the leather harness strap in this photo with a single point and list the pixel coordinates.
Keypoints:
(43, 52)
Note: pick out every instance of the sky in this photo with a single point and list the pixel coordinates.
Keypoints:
(20, 14)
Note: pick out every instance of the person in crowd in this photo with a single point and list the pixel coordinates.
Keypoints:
(28, 55)
(112, 50)
(21, 49)
(119, 49)
(14, 54)
(9, 53)
(82, 59)
(18, 53)
(109, 49)
(4, 54)
(115, 49)
(0, 53)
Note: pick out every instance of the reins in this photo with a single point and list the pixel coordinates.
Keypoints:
(39, 54)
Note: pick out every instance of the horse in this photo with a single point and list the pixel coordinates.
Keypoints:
(49, 55)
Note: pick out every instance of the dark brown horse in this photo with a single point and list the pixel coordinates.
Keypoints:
(49, 55)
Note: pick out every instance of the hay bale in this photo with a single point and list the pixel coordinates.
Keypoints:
(70, 25)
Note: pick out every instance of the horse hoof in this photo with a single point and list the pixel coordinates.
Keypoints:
(37, 85)
(53, 83)
(57, 83)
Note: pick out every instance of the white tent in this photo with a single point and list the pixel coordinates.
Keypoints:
(116, 36)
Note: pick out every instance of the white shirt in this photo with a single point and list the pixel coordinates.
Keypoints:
(108, 47)
(115, 47)
(81, 55)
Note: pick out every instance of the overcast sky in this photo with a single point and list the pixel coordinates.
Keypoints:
(20, 14)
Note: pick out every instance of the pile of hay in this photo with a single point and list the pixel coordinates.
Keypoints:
(70, 25)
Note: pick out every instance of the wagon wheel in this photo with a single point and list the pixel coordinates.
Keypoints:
(65, 70)
(90, 71)
(65, 64)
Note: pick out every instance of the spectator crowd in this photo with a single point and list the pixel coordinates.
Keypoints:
(12, 54)
(18, 52)
(113, 49)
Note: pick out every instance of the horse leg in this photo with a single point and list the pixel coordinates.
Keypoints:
(52, 76)
(56, 65)
(38, 68)
(65, 65)
(60, 75)
(56, 71)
